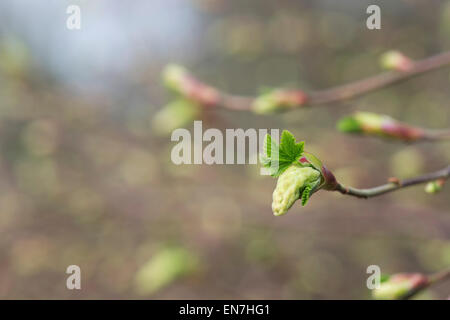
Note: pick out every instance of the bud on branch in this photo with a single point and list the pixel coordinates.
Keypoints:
(300, 174)
(402, 286)
(395, 60)
(384, 126)
(434, 186)
(278, 100)
(181, 81)
(178, 79)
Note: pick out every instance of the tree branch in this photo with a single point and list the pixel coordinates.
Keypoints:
(395, 184)
(439, 277)
(435, 135)
(291, 99)
(379, 81)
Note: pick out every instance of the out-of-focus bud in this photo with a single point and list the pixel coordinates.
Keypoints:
(400, 286)
(173, 76)
(381, 125)
(163, 268)
(178, 79)
(291, 185)
(174, 115)
(395, 60)
(278, 100)
(361, 122)
(434, 186)
(15, 58)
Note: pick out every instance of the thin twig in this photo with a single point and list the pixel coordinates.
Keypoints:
(439, 277)
(394, 185)
(344, 92)
(379, 81)
(435, 135)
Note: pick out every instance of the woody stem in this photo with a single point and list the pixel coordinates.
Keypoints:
(347, 91)
(392, 186)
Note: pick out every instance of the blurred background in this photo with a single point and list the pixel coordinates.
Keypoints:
(84, 180)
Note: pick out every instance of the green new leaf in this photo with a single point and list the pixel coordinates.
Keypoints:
(278, 158)
(269, 159)
(289, 148)
(268, 145)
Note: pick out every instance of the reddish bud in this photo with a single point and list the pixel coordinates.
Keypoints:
(378, 124)
(181, 81)
(279, 100)
(395, 60)
(400, 286)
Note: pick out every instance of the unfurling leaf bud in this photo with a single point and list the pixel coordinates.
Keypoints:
(175, 115)
(395, 60)
(381, 125)
(178, 79)
(293, 183)
(434, 186)
(300, 174)
(278, 100)
(400, 286)
(328, 181)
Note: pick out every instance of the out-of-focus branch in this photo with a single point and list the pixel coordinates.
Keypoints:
(380, 81)
(187, 85)
(384, 126)
(433, 135)
(394, 184)
(439, 277)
